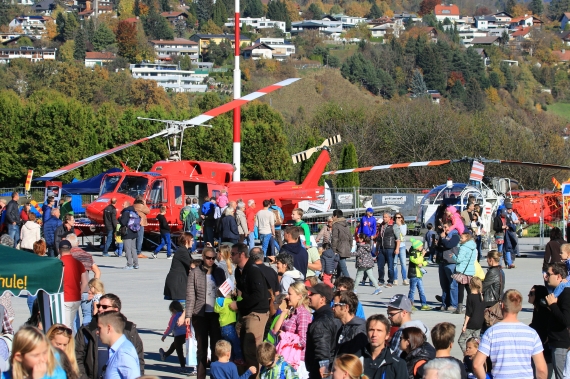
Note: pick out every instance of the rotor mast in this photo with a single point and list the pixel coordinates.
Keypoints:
(237, 95)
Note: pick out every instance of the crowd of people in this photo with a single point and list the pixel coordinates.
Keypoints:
(302, 317)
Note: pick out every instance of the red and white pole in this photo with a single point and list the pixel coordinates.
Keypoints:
(237, 95)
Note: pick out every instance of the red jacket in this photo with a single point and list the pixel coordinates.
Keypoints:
(250, 217)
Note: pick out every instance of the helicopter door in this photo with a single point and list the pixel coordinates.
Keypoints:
(196, 190)
(157, 195)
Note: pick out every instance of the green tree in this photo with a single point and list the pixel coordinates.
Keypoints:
(60, 22)
(419, 88)
(156, 26)
(90, 29)
(220, 16)
(25, 41)
(180, 28)
(210, 28)
(474, 97)
(457, 91)
(79, 48)
(348, 159)
(430, 63)
(360, 70)
(12, 113)
(536, 7)
(204, 10)
(510, 6)
(316, 11)
(137, 8)
(103, 38)
(71, 26)
(509, 79)
(494, 79)
(253, 8)
(375, 12)
(66, 51)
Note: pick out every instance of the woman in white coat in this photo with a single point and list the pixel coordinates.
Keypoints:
(30, 233)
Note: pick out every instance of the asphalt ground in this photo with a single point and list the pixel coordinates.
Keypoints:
(141, 293)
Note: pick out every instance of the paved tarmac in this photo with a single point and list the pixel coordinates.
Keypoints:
(141, 293)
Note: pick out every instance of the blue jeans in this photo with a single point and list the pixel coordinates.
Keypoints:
(251, 240)
(417, 282)
(507, 258)
(194, 233)
(14, 233)
(264, 238)
(448, 285)
(208, 234)
(164, 240)
(140, 239)
(500, 248)
(402, 258)
(230, 335)
(342, 269)
(51, 251)
(385, 256)
(120, 249)
(108, 241)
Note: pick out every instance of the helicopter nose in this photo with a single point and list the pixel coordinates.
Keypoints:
(94, 211)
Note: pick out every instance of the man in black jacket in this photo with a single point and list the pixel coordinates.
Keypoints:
(377, 358)
(91, 353)
(110, 221)
(68, 227)
(322, 331)
(351, 336)
(254, 306)
(13, 219)
(558, 337)
(130, 236)
(447, 246)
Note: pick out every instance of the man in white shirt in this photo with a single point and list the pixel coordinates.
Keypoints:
(265, 222)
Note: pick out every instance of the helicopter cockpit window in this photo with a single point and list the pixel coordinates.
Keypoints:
(133, 185)
(157, 194)
(109, 184)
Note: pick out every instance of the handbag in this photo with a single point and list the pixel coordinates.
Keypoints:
(499, 238)
(479, 271)
(493, 314)
(191, 348)
(460, 277)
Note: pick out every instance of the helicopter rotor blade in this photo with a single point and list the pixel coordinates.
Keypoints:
(527, 164)
(389, 166)
(198, 120)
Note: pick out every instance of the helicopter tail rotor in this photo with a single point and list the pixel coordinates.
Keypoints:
(304, 155)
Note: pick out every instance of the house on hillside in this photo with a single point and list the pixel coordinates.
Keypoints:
(407, 16)
(503, 18)
(348, 20)
(385, 26)
(565, 37)
(170, 77)
(13, 42)
(204, 40)
(485, 22)
(521, 34)
(87, 8)
(331, 29)
(44, 7)
(257, 23)
(483, 54)
(486, 41)
(526, 20)
(563, 55)
(26, 52)
(435, 96)
(258, 51)
(564, 20)
(95, 58)
(165, 49)
(174, 17)
(443, 11)
(431, 34)
(281, 49)
(34, 25)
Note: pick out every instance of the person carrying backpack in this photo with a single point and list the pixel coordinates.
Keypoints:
(164, 235)
(130, 223)
(189, 217)
(329, 263)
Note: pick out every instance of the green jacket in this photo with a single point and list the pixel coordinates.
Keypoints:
(66, 208)
(222, 307)
(303, 225)
(416, 259)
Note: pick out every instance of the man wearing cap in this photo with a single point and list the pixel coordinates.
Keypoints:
(322, 331)
(75, 279)
(376, 357)
(512, 222)
(400, 315)
(351, 336)
(368, 226)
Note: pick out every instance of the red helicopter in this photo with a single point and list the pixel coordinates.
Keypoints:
(170, 182)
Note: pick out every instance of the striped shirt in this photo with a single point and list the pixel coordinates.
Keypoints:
(511, 347)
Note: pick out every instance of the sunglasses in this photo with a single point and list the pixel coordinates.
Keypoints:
(104, 307)
(390, 315)
(398, 217)
(209, 258)
(338, 304)
(63, 328)
(531, 293)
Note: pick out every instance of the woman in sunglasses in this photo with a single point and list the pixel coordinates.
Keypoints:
(60, 337)
(418, 351)
(401, 254)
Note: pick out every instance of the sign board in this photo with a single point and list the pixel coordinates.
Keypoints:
(394, 200)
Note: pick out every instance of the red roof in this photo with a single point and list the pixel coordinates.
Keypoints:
(98, 55)
(563, 56)
(177, 41)
(518, 19)
(450, 10)
(521, 32)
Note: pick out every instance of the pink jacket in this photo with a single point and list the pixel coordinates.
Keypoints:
(456, 219)
(288, 347)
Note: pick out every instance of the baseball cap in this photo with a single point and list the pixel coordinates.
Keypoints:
(321, 289)
(65, 244)
(370, 210)
(400, 302)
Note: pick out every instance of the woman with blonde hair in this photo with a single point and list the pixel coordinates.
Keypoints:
(292, 325)
(224, 259)
(33, 357)
(60, 337)
(348, 366)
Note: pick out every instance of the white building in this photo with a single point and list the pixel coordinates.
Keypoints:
(257, 23)
(27, 52)
(350, 20)
(443, 11)
(281, 49)
(169, 77)
(328, 28)
(35, 25)
(165, 49)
